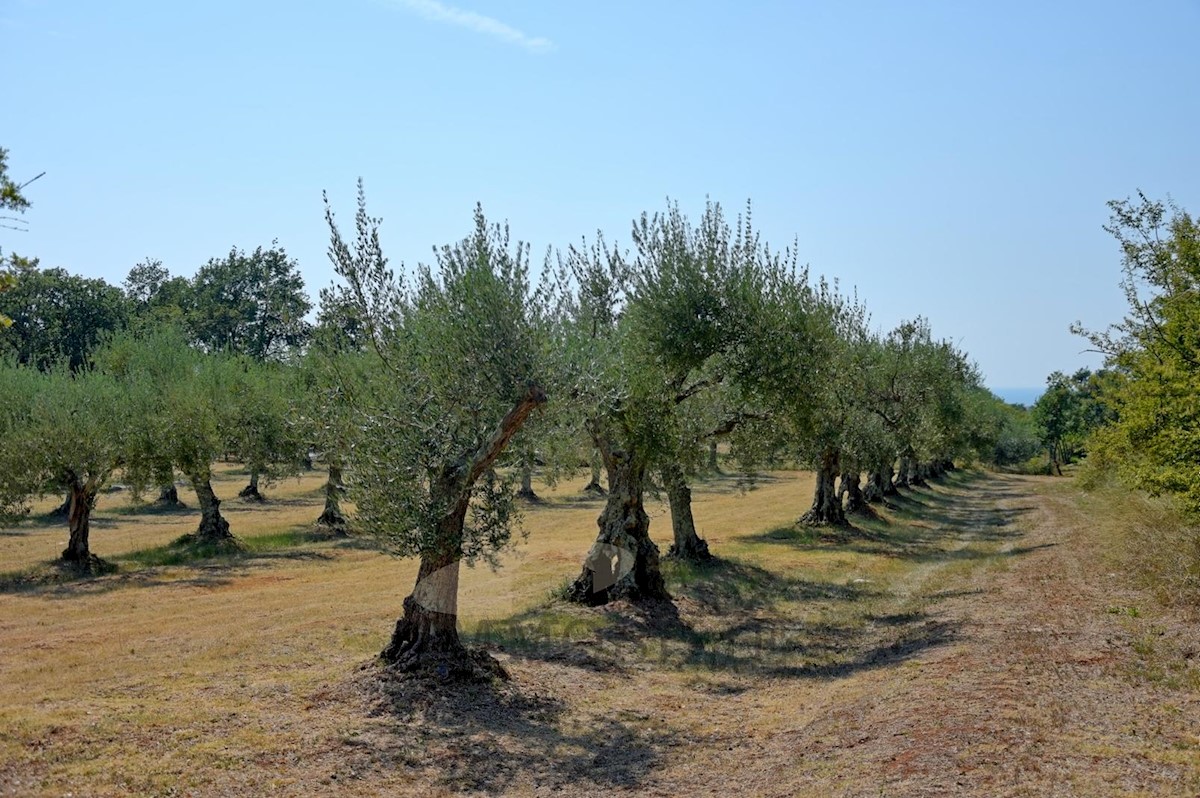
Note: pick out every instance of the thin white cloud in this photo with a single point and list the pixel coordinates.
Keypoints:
(435, 11)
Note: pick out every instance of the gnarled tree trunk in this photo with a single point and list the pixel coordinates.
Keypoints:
(526, 491)
(82, 500)
(856, 501)
(594, 485)
(168, 497)
(873, 490)
(251, 490)
(688, 545)
(826, 507)
(714, 464)
(213, 526)
(331, 516)
(427, 633)
(623, 562)
(879, 484)
(917, 475)
(63, 510)
(904, 472)
(888, 486)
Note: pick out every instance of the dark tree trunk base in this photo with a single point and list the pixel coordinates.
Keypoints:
(595, 488)
(623, 563)
(213, 530)
(856, 500)
(426, 642)
(331, 517)
(857, 504)
(529, 495)
(826, 508)
(250, 493)
(598, 584)
(688, 545)
(696, 551)
(168, 499)
(91, 565)
(63, 510)
(334, 522)
(824, 517)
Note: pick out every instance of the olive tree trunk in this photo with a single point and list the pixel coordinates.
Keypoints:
(917, 476)
(526, 491)
(688, 545)
(63, 510)
(826, 507)
(904, 472)
(714, 464)
(427, 632)
(426, 635)
(848, 486)
(213, 526)
(623, 563)
(331, 516)
(83, 499)
(872, 492)
(168, 497)
(594, 485)
(251, 490)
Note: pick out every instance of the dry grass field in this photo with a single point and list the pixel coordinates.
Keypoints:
(960, 643)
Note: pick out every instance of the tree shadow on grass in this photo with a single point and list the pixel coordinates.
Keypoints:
(729, 619)
(928, 524)
(210, 566)
(488, 737)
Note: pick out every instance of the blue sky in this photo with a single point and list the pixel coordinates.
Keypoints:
(948, 159)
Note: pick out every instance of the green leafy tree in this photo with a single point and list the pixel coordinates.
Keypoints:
(7, 281)
(1153, 439)
(155, 297)
(57, 316)
(827, 441)
(453, 381)
(185, 402)
(11, 199)
(261, 431)
(249, 303)
(1066, 413)
(70, 431)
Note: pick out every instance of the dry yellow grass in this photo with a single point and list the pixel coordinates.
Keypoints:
(119, 680)
(251, 675)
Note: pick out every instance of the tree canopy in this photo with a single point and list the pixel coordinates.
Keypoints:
(1153, 438)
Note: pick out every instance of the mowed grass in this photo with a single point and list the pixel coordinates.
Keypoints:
(245, 672)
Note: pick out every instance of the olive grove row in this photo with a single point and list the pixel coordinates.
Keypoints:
(430, 394)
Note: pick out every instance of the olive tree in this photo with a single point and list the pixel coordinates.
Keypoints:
(261, 432)
(184, 402)
(63, 430)
(454, 379)
(661, 346)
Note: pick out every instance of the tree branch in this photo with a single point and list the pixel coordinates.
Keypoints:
(509, 426)
(697, 387)
(732, 423)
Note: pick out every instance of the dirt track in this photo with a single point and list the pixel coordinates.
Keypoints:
(1035, 695)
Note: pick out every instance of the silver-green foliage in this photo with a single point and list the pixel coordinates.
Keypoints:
(454, 347)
